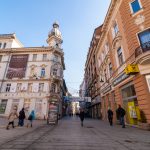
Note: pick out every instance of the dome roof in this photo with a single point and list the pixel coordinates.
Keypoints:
(55, 31)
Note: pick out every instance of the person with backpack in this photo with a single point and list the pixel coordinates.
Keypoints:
(121, 113)
(21, 117)
(31, 118)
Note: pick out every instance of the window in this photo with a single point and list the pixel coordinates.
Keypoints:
(53, 88)
(106, 48)
(135, 6)
(144, 38)
(3, 106)
(30, 87)
(0, 58)
(55, 71)
(42, 72)
(120, 56)
(19, 87)
(110, 69)
(8, 87)
(4, 46)
(44, 57)
(116, 30)
(55, 58)
(41, 87)
(0, 45)
(34, 57)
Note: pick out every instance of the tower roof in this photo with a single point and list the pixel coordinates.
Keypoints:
(55, 31)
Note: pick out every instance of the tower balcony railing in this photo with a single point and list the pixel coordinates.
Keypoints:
(145, 47)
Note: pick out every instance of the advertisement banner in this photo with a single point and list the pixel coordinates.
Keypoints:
(17, 66)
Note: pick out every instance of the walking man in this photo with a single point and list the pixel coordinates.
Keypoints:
(21, 117)
(81, 115)
(121, 113)
(110, 116)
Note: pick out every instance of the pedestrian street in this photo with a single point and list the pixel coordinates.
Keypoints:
(70, 135)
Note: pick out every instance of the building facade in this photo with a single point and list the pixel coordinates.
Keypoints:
(91, 76)
(31, 77)
(123, 60)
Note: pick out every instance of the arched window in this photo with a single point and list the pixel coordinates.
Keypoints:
(42, 72)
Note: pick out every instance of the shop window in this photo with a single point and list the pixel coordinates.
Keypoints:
(144, 38)
(0, 58)
(128, 92)
(34, 57)
(41, 87)
(38, 108)
(120, 56)
(135, 5)
(42, 72)
(4, 46)
(3, 106)
(8, 87)
(27, 103)
(15, 104)
(44, 57)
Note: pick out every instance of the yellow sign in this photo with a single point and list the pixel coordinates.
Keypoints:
(132, 69)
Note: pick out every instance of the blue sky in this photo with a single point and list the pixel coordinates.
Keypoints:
(31, 20)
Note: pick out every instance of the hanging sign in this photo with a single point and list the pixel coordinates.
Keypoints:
(132, 69)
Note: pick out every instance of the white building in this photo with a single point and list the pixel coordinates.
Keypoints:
(31, 77)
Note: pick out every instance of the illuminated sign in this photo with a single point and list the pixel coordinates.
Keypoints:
(132, 69)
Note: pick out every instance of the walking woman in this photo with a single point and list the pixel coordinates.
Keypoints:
(81, 116)
(31, 118)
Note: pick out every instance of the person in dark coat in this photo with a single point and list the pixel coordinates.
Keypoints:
(21, 117)
(81, 115)
(121, 113)
(110, 116)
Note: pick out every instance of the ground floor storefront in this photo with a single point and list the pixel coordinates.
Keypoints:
(40, 106)
(133, 94)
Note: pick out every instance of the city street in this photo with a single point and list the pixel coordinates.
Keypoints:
(69, 135)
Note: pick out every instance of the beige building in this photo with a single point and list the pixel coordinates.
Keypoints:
(31, 77)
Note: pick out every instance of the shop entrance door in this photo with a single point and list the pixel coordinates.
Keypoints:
(130, 104)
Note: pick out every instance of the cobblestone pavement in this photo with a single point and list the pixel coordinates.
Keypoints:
(69, 135)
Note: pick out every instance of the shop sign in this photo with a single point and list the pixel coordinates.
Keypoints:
(106, 89)
(132, 69)
(121, 78)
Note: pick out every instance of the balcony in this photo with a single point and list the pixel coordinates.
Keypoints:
(142, 54)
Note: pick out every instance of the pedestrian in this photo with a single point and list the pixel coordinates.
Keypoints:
(110, 116)
(121, 113)
(21, 117)
(31, 118)
(81, 115)
(12, 116)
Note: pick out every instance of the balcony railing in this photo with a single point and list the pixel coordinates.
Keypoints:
(142, 49)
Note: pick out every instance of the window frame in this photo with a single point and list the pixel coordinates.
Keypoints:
(43, 72)
(118, 56)
(8, 86)
(131, 8)
(4, 45)
(34, 58)
(44, 57)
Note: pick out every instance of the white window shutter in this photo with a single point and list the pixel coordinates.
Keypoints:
(13, 87)
(35, 87)
(46, 87)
